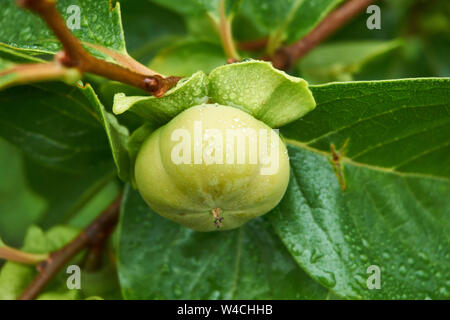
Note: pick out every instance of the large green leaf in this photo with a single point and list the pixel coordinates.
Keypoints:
(159, 259)
(202, 16)
(400, 125)
(99, 25)
(54, 124)
(31, 193)
(438, 49)
(117, 135)
(79, 134)
(69, 136)
(88, 194)
(395, 211)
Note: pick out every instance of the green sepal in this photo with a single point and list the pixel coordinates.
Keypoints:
(158, 111)
(268, 94)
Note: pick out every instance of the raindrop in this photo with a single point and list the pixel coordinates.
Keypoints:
(328, 279)
(315, 256)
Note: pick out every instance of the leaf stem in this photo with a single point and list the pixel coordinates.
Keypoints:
(74, 55)
(226, 34)
(32, 72)
(15, 255)
(98, 230)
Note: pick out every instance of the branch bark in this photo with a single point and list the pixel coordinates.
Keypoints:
(75, 56)
(285, 57)
(99, 229)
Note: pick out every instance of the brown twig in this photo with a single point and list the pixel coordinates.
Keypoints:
(74, 55)
(92, 261)
(93, 233)
(285, 57)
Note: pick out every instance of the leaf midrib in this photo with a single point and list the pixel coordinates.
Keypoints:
(302, 145)
(401, 108)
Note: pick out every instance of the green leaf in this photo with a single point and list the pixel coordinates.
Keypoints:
(103, 282)
(188, 7)
(149, 27)
(270, 95)
(202, 17)
(394, 213)
(396, 222)
(11, 57)
(195, 7)
(203, 27)
(400, 125)
(118, 138)
(188, 57)
(15, 74)
(187, 93)
(85, 197)
(339, 61)
(14, 277)
(117, 135)
(6, 80)
(95, 202)
(68, 136)
(408, 61)
(159, 259)
(437, 50)
(20, 206)
(99, 25)
(34, 194)
(59, 295)
(307, 16)
(288, 20)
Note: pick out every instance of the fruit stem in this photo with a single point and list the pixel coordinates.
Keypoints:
(217, 219)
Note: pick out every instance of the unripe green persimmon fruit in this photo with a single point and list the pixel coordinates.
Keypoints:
(211, 189)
